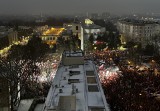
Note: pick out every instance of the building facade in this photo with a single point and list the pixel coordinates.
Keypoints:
(137, 31)
(74, 27)
(84, 29)
(50, 35)
(7, 37)
(88, 29)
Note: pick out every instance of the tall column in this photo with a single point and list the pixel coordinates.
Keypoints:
(82, 39)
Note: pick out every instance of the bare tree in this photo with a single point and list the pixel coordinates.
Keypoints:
(17, 73)
(19, 67)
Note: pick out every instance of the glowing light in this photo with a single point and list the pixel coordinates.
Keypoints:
(108, 75)
(88, 22)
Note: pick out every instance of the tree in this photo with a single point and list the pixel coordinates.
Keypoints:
(91, 38)
(112, 40)
(4, 42)
(99, 22)
(105, 37)
(130, 44)
(16, 52)
(110, 26)
(88, 46)
(99, 38)
(20, 67)
(16, 73)
(149, 50)
(35, 49)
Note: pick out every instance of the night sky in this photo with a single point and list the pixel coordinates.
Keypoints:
(78, 6)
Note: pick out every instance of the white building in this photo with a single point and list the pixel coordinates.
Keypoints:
(76, 86)
(89, 28)
(75, 27)
(138, 31)
(7, 37)
(84, 30)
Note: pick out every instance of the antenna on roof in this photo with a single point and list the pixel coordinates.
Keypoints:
(73, 89)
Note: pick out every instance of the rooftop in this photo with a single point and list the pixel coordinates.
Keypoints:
(137, 22)
(76, 87)
(53, 31)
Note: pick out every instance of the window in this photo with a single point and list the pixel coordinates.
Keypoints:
(97, 109)
(73, 81)
(74, 73)
(90, 73)
(76, 27)
(91, 80)
(93, 88)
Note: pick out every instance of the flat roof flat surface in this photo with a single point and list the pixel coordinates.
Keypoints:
(66, 87)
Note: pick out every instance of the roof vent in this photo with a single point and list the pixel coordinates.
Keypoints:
(56, 85)
(73, 89)
(60, 91)
(76, 90)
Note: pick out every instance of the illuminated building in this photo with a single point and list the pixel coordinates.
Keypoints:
(50, 35)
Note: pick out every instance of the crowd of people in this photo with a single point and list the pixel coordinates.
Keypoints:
(131, 90)
(126, 90)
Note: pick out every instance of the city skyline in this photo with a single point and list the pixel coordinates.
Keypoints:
(76, 6)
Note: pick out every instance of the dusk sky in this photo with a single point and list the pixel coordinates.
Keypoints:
(78, 6)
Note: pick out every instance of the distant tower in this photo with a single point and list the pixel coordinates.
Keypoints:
(75, 19)
(87, 14)
(82, 39)
(41, 15)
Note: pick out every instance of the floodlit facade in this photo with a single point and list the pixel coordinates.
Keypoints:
(76, 86)
(50, 35)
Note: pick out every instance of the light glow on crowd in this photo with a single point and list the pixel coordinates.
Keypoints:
(108, 75)
(48, 70)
